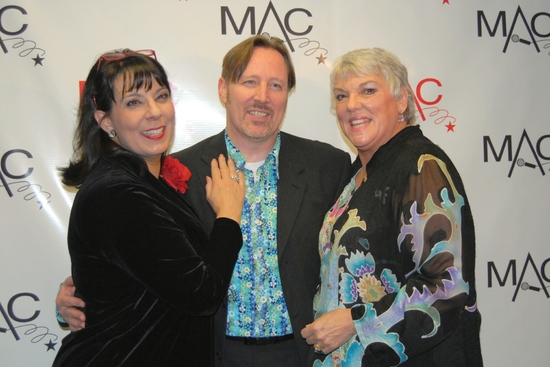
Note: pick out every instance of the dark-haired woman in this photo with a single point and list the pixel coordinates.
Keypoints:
(141, 261)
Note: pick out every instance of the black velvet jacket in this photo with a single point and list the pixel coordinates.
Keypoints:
(148, 272)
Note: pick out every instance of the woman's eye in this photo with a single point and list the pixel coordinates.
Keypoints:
(369, 90)
(164, 96)
(339, 97)
(132, 102)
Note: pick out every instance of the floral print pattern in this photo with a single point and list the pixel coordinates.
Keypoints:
(359, 268)
(256, 305)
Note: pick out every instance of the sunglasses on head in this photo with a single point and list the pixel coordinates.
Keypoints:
(116, 56)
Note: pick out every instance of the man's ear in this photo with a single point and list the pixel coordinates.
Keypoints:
(103, 120)
(222, 90)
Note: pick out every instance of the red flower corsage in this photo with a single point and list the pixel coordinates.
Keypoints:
(175, 174)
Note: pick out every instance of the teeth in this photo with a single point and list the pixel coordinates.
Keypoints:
(258, 113)
(358, 122)
(153, 133)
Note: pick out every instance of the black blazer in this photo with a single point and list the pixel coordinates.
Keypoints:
(311, 177)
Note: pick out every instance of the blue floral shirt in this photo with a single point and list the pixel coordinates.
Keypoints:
(256, 304)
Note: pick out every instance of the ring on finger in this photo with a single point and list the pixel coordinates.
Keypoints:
(236, 178)
(318, 350)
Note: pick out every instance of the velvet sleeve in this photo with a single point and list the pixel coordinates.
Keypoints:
(151, 242)
(427, 306)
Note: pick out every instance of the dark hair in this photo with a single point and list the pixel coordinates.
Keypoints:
(90, 141)
(236, 60)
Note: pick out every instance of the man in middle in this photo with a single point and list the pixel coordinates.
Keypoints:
(291, 183)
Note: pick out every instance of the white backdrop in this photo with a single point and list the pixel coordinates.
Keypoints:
(480, 71)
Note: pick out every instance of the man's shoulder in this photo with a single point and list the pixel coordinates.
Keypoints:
(308, 145)
(315, 157)
(196, 149)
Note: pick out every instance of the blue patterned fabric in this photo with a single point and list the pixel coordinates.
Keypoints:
(399, 250)
(256, 304)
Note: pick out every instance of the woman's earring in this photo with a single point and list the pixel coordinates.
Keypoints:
(401, 118)
(111, 134)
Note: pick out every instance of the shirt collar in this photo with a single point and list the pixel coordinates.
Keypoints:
(239, 160)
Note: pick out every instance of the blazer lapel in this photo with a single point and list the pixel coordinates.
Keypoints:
(198, 160)
(291, 188)
(213, 149)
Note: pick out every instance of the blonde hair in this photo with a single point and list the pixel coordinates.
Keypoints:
(375, 61)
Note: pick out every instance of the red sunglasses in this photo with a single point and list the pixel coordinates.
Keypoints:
(116, 56)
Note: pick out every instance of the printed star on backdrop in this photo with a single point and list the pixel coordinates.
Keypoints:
(450, 127)
(446, 2)
(38, 60)
(50, 345)
(321, 59)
